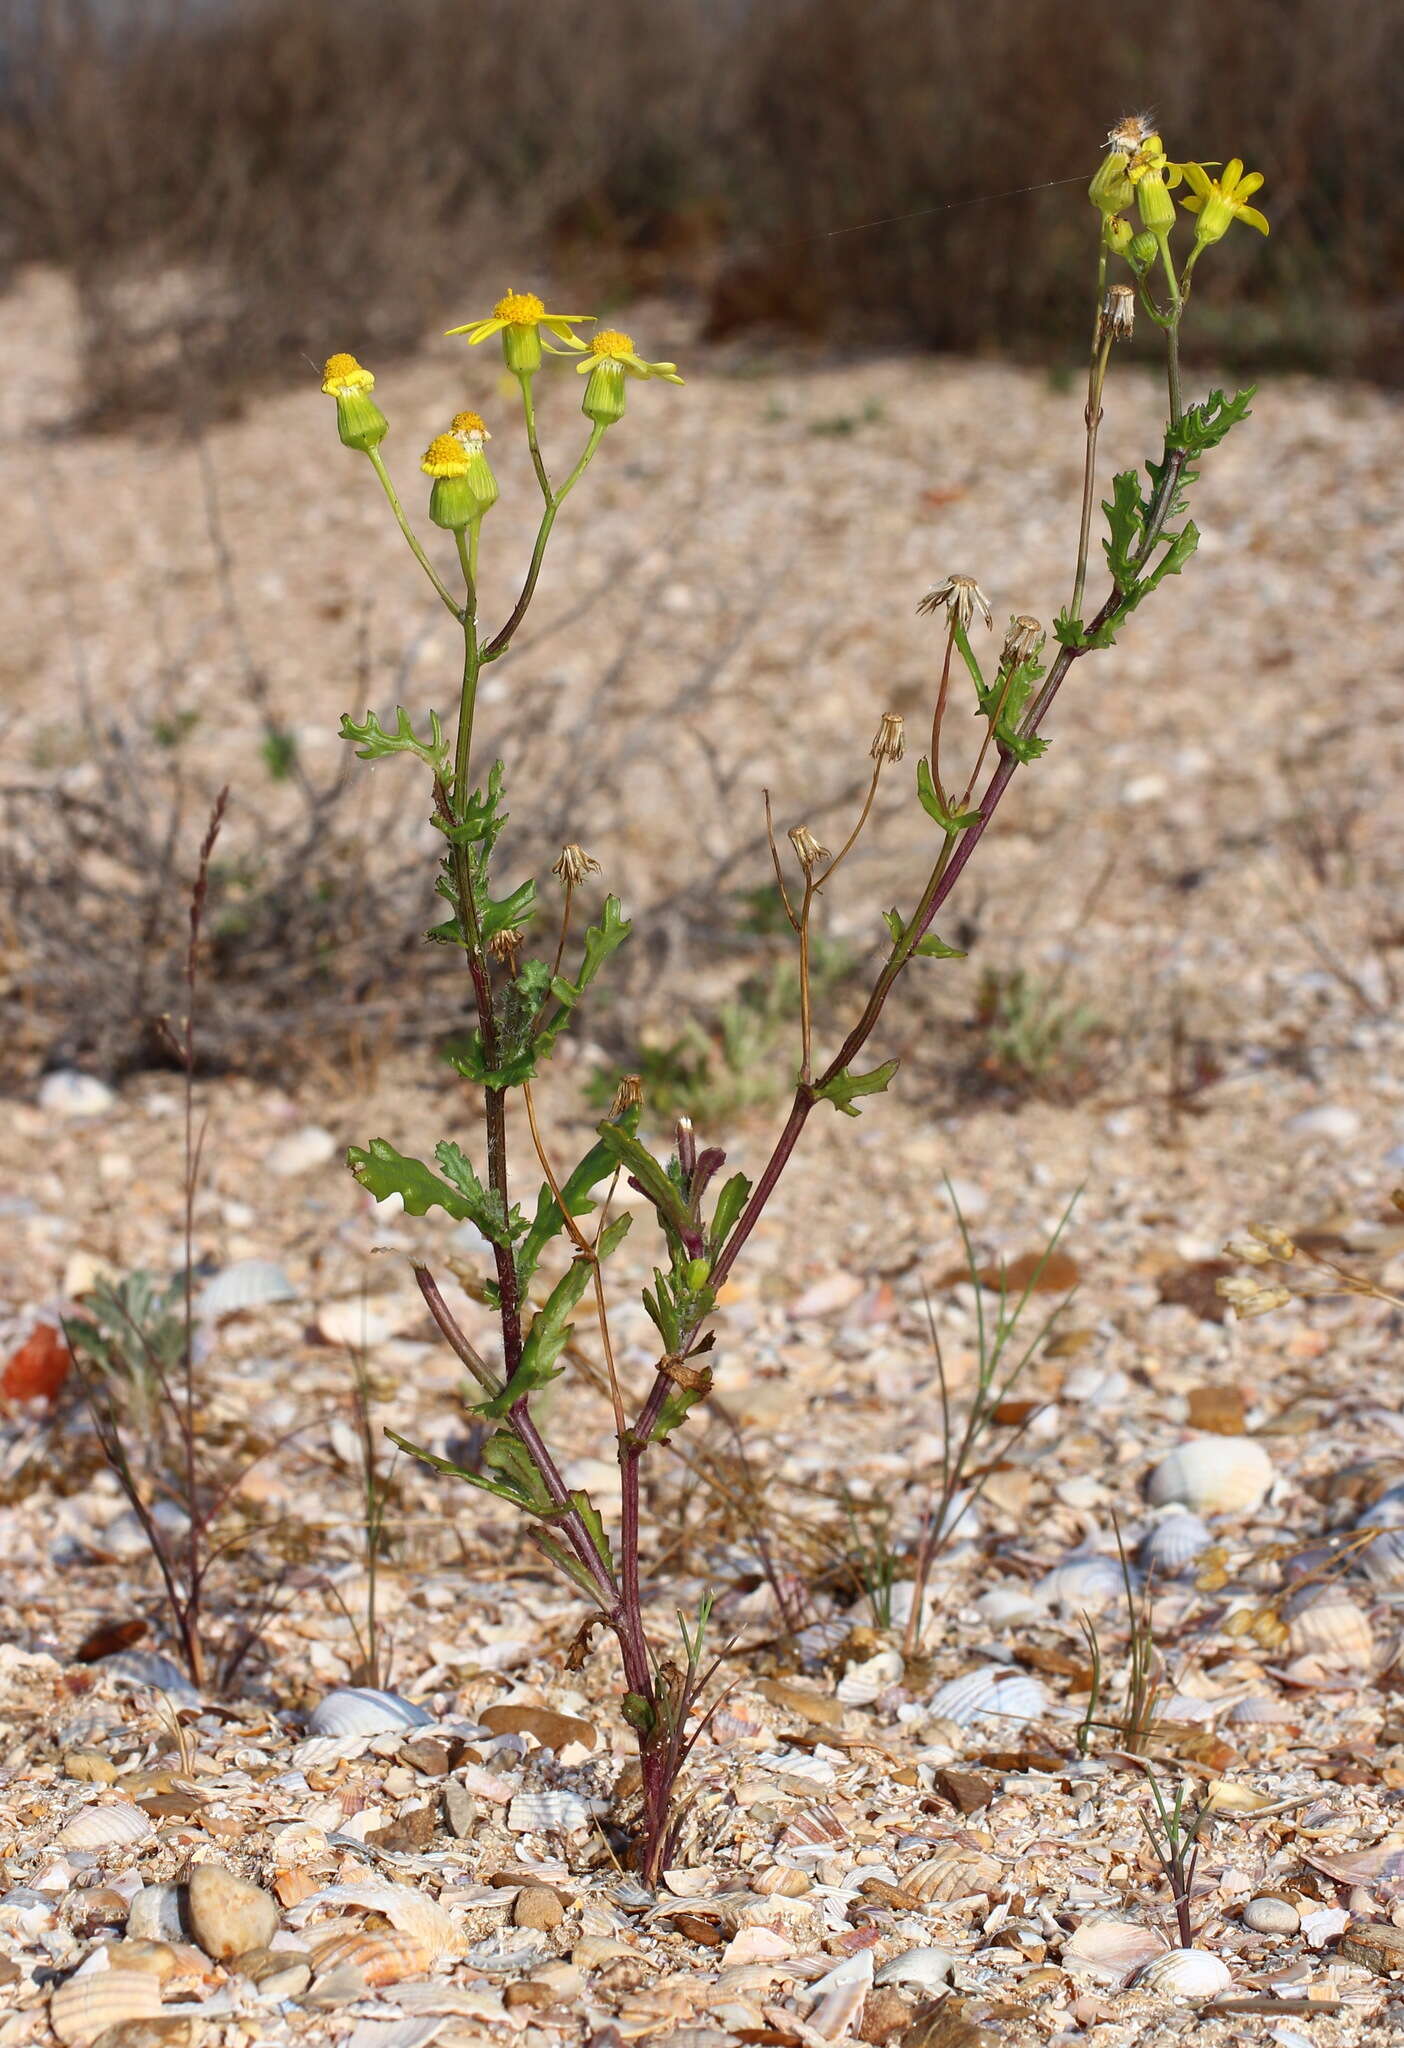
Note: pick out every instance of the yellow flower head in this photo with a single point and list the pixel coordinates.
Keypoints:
(610, 346)
(343, 377)
(445, 456)
(519, 318)
(470, 423)
(359, 421)
(1221, 201)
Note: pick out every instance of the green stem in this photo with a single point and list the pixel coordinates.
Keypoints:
(1172, 336)
(378, 465)
(501, 641)
(472, 662)
(1096, 378)
(529, 413)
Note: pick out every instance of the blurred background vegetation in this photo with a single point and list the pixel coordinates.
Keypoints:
(229, 183)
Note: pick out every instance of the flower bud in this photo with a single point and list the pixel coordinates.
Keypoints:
(359, 421)
(628, 1095)
(464, 486)
(1118, 235)
(1111, 191)
(604, 394)
(1143, 249)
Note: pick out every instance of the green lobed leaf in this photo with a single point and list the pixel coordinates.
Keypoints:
(601, 940)
(546, 1339)
(383, 1171)
(1125, 525)
(484, 1208)
(374, 743)
(566, 1561)
(594, 1526)
(949, 820)
(845, 1088)
(674, 1411)
(524, 1490)
(507, 913)
(597, 1165)
(927, 948)
(1204, 426)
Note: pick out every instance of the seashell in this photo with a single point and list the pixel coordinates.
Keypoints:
(862, 1683)
(150, 1668)
(246, 1284)
(1268, 1915)
(1324, 1622)
(1009, 1604)
(1213, 1475)
(375, 1958)
(780, 1878)
(408, 1911)
(812, 1827)
(1174, 1543)
(991, 1689)
(1085, 1585)
(930, 1967)
(361, 1710)
(1385, 1513)
(839, 1996)
(822, 1638)
(953, 1872)
(1383, 1560)
(86, 2006)
(105, 1827)
(1186, 1973)
(355, 1324)
(1112, 1950)
(1261, 1710)
(548, 1813)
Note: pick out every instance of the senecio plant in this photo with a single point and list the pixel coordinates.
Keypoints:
(525, 992)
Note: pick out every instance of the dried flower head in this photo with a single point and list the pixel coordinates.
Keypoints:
(1246, 1298)
(1276, 1243)
(1251, 1254)
(504, 945)
(1130, 132)
(1023, 637)
(888, 742)
(628, 1095)
(807, 847)
(964, 597)
(574, 865)
(1118, 315)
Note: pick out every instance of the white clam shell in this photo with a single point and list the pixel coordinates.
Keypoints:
(87, 2006)
(952, 1872)
(1261, 1710)
(1383, 1560)
(1187, 1973)
(548, 1813)
(1111, 1951)
(105, 1827)
(1009, 1604)
(1085, 1585)
(1213, 1475)
(408, 1911)
(862, 1683)
(150, 1668)
(361, 1710)
(991, 1690)
(929, 1967)
(1325, 1622)
(246, 1284)
(822, 1638)
(1174, 1543)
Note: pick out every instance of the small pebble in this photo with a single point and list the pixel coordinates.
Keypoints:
(536, 1906)
(90, 1766)
(158, 1914)
(1328, 1120)
(228, 1915)
(460, 1809)
(300, 1151)
(279, 1973)
(69, 1094)
(1271, 1916)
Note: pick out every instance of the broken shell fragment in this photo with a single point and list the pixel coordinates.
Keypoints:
(1085, 1585)
(1212, 1475)
(1173, 1544)
(1111, 1951)
(1324, 1622)
(953, 1872)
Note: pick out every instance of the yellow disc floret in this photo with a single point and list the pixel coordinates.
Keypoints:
(609, 342)
(470, 423)
(342, 376)
(445, 456)
(519, 309)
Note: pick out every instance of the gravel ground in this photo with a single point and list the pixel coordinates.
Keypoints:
(1204, 861)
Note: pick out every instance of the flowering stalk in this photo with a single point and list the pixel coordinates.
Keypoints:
(521, 1004)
